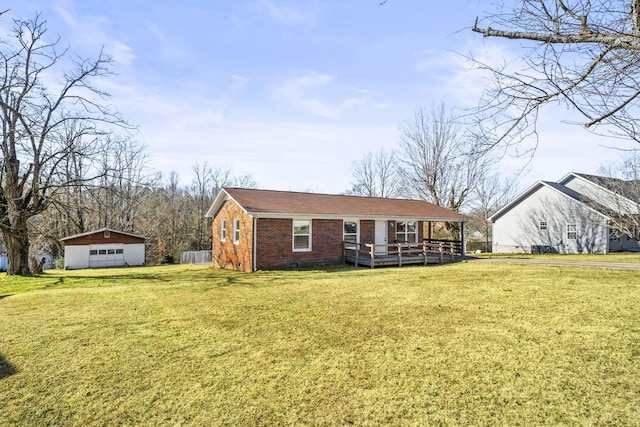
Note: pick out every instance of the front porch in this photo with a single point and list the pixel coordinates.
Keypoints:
(400, 254)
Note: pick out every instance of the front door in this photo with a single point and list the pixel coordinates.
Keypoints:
(381, 237)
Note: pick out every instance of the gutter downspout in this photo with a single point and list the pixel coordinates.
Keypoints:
(255, 240)
(607, 241)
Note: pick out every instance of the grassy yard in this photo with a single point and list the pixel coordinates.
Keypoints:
(460, 344)
(612, 257)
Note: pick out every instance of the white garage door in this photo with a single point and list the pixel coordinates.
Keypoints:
(111, 255)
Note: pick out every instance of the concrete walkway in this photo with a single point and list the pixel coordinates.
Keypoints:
(594, 264)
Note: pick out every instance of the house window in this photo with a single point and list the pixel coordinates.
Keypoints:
(301, 235)
(119, 251)
(107, 234)
(350, 233)
(407, 231)
(93, 252)
(223, 230)
(542, 225)
(572, 232)
(236, 230)
(614, 235)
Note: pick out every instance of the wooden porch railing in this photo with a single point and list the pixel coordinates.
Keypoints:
(457, 244)
(399, 254)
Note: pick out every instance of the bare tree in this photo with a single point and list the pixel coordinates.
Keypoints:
(124, 181)
(207, 182)
(583, 53)
(166, 219)
(375, 175)
(622, 204)
(243, 181)
(437, 160)
(491, 193)
(35, 133)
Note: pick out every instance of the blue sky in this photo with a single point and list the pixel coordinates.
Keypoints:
(292, 92)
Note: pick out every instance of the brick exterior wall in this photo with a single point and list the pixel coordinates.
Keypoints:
(367, 231)
(227, 254)
(275, 243)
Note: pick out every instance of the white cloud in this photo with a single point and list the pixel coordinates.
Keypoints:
(155, 30)
(67, 17)
(454, 77)
(91, 31)
(309, 91)
(286, 15)
(239, 82)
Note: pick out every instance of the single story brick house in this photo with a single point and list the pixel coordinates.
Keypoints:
(265, 229)
(103, 248)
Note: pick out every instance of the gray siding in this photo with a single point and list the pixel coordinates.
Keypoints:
(518, 229)
(601, 195)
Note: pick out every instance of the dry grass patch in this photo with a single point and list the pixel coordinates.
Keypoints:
(633, 257)
(458, 344)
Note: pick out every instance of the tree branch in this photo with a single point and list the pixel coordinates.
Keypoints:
(622, 41)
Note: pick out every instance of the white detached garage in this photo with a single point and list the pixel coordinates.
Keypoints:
(103, 248)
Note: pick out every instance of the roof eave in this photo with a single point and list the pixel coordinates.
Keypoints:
(281, 215)
(223, 195)
(515, 201)
(102, 230)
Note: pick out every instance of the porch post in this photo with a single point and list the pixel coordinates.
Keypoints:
(372, 251)
(424, 252)
(344, 252)
(463, 250)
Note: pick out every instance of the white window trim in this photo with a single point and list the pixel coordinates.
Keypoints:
(223, 230)
(357, 228)
(417, 238)
(543, 225)
(236, 231)
(574, 232)
(293, 235)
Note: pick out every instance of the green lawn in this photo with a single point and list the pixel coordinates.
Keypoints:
(612, 257)
(460, 344)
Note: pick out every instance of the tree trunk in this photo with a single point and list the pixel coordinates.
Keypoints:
(18, 250)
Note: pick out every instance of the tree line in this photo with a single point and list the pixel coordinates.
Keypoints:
(170, 214)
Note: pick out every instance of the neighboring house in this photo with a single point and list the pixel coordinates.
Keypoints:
(262, 229)
(103, 248)
(573, 215)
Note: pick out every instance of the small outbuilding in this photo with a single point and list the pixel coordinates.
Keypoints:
(103, 248)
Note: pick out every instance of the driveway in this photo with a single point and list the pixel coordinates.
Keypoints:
(594, 264)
